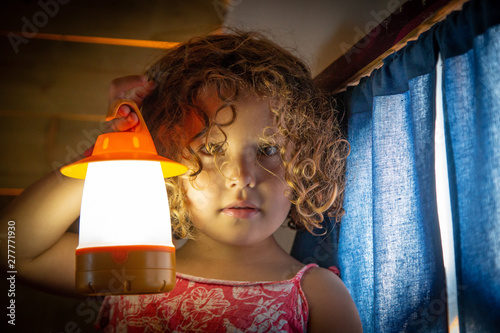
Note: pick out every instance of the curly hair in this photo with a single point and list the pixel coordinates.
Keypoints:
(236, 64)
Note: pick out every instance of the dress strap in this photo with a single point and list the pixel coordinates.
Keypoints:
(302, 271)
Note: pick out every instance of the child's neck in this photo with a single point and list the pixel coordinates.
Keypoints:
(264, 261)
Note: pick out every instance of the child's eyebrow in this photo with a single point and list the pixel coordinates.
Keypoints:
(215, 138)
(272, 133)
(215, 134)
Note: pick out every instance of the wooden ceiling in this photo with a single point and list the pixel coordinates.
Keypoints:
(54, 93)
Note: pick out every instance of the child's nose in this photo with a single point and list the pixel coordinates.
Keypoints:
(242, 173)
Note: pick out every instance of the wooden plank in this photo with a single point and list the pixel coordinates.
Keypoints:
(58, 77)
(142, 20)
(52, 115)
(35, 146)
(153, 44)
(10, 191)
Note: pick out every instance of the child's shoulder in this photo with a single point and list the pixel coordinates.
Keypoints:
(331, 307)
(317, 279)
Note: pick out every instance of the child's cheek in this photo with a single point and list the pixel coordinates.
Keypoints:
(201, 191)
(230, 171)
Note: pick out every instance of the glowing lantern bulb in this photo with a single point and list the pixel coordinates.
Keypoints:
(125, 241)
(110, 185)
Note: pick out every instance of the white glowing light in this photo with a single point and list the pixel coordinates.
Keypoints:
(124, 203)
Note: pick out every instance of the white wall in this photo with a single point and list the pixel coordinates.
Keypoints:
(319, 31)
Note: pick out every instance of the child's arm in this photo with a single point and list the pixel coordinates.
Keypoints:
(44, 252)
(331, 308)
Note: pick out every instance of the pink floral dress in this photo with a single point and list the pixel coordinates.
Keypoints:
(207, 305)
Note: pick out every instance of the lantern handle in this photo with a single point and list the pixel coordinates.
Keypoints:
(124, 146)
(113, 111)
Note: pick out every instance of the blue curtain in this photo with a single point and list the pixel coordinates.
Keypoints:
(388, 247)
(390, 250)
(471, 88)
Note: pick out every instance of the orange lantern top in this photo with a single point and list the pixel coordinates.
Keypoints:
(124, 146)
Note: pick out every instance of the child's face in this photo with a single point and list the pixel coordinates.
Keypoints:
(240, 202)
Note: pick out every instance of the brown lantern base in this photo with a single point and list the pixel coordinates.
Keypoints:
(119, 270)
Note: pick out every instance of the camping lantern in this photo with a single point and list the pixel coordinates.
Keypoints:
(125, 242)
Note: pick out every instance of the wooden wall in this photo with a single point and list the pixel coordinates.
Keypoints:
(53, 94)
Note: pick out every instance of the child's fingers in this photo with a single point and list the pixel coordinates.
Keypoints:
(138, 94)
(123, 124)
(123, 111)
(119, 86)
(135, 87)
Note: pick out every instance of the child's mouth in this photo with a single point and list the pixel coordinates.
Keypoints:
(242, 210)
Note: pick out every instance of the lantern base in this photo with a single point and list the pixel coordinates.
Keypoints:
(119, 270)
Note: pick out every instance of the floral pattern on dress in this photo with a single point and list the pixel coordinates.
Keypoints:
(207, 305)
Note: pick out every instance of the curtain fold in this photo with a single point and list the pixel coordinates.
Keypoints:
(471, 87)
(390, 250)
(389, 247)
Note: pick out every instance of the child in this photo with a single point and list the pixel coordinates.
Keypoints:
(263, 147)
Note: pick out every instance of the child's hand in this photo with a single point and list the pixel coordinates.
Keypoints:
(134, 87)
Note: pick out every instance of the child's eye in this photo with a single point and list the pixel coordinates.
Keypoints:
(212, 149)
(268, 150)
